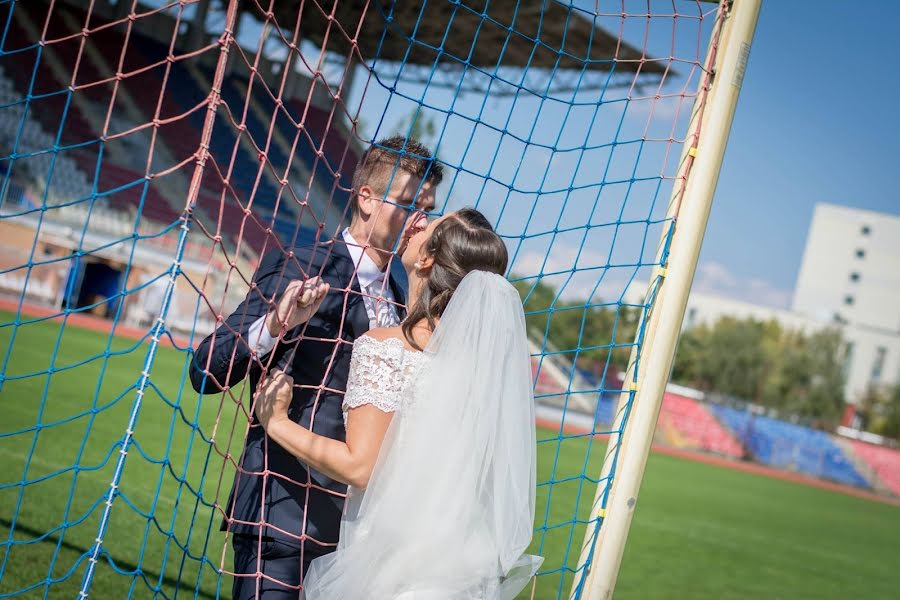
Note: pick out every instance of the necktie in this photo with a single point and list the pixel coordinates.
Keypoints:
(385, 315)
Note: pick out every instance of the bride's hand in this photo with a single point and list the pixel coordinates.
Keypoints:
(273, 398)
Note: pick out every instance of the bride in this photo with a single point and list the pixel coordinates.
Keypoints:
(440, 444)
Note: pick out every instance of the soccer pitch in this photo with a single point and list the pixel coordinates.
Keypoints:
(700, 531)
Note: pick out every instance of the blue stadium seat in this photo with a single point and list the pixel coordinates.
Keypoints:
(789, 446)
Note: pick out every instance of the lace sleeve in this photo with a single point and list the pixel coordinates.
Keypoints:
(375, 374)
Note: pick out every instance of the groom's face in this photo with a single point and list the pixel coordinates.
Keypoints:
(399, 214)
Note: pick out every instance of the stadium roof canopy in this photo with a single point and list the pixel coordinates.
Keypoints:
(507, 45)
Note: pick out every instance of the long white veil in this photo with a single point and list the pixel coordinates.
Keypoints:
(449, 509)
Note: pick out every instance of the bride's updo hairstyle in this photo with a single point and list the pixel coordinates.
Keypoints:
(463, 242)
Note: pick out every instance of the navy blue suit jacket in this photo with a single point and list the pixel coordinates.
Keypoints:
(315, 354)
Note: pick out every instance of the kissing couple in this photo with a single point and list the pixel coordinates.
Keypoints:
(392, 450)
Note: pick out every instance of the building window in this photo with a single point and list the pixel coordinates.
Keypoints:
(860, 253)
(848, 359)
(865, 230)
(848, 300)
(878, 365)
(854, 276)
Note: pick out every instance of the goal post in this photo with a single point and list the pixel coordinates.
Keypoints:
(679, 249)
(155, 155)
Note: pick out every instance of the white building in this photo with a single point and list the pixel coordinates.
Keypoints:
(851, 268)
(849, 279)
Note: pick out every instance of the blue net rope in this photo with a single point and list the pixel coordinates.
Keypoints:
(146, 169)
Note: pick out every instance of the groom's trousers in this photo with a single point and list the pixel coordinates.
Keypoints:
(280, 562)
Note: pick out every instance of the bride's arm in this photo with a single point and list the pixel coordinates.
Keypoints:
(349, 462)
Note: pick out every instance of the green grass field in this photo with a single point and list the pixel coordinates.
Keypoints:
(700, 531)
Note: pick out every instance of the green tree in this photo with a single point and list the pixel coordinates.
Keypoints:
(728, 358)
(805, 376)
(881, 409)
(787, 370)
(594, 334)
(689, 357)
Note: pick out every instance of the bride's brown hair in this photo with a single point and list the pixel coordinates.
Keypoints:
(463, 242)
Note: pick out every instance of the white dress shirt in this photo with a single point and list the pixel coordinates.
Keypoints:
(378, 298)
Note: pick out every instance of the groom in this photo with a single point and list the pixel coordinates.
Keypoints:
(281, 514)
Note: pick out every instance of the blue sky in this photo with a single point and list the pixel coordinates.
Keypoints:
(817, 122)
(543, 166)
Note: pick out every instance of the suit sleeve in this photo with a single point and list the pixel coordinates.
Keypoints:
(223, 357)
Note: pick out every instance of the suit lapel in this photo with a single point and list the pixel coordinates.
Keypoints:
(357, 317)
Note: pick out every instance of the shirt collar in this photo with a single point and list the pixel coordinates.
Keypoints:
(367, 272)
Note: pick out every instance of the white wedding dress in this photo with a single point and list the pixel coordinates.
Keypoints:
(449, 508)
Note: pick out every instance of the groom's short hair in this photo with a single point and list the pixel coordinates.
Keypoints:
(383, 159)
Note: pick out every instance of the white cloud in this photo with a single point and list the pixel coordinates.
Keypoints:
(716, 278)
(711, 277)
